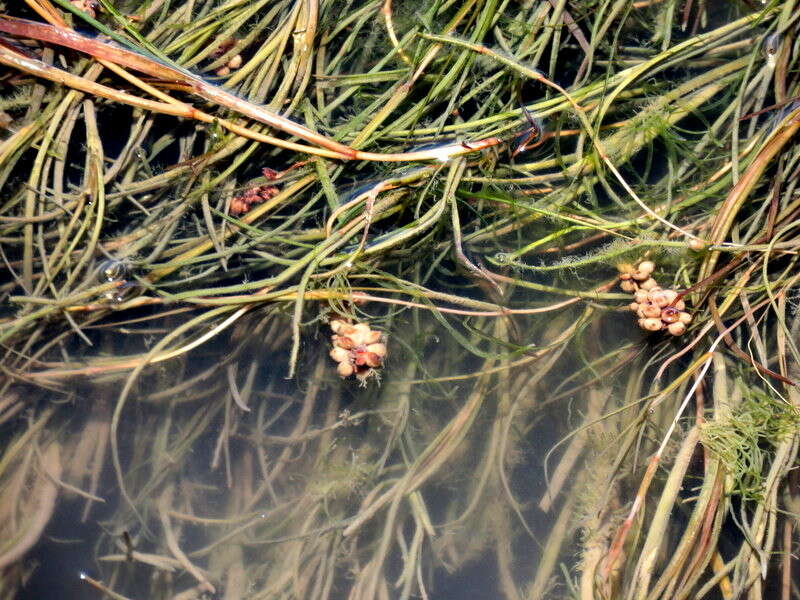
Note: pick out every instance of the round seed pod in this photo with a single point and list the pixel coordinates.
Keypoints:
(339, 354)
(373, 337)
(342, 341)
(651, 324)
(677, 328)
(633, 306)
(659, 298)
(627, 286)
(337, 324)
(348, 330)
(640, 296)
(235, 62)
(238, 207)
(684, 318)
(680, 305)
(651, 311)
(372, 360)
(377, 349)
(648, 284)
(696, 245)
(671, 295)
(345, 369)
(640, 276)
(670, 315)
(625, 276)
(647, 266)
(360, 333)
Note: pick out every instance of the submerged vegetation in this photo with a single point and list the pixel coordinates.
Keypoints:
(196, 191)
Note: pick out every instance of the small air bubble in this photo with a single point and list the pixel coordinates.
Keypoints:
(113, 270)
(771, 46)
(124, 292)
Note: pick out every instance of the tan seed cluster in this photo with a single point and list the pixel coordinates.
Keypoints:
(233, 63)
(358, 349)
(656, 308)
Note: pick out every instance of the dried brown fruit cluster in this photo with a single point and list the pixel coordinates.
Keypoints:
(656, 308)
(358, 349)
(256, 195)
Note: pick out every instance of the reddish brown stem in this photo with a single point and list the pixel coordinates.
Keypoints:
(738, 351)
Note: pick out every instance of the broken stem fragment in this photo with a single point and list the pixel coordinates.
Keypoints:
(104, 51)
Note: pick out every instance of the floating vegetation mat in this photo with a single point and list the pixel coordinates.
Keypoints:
(391, 299)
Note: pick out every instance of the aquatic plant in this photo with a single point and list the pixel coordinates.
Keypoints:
(194, 191)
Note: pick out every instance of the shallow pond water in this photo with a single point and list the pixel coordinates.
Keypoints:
(245, 473)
